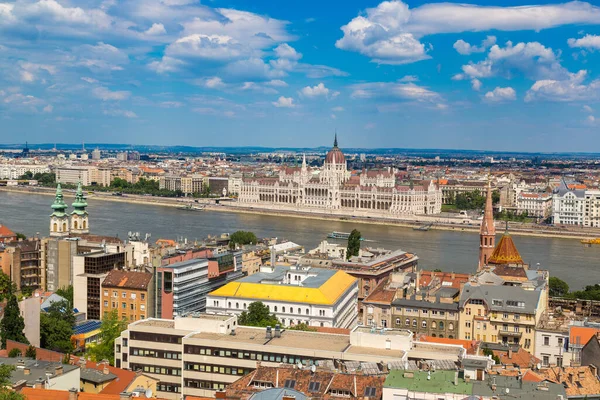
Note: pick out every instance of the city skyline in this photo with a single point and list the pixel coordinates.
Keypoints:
(509, 76)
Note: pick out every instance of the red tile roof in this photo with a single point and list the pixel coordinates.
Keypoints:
(506, 252)
(127, 279)
(580, 335)
(6, 233)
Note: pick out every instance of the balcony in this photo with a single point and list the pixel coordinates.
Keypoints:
(510, 333)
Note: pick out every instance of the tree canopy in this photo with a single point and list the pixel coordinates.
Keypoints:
(242, 238)
(12, 325)
(56, 327)
(5, 392)
(67, 293)
(474, 200)
(110, 329)
(558, 287)
(257, 315)
(353, 244)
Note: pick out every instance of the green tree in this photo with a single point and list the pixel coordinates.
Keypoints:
(6, 286)
(257, 315)
(303, 327)
(558, 287)
(14, 353)
(12, 325)
(110, 329)
(353, 244)
(5, 392)
(56, 327)
(21, 236)
(67, 293)
(31, 352)
(242, 238)
(26, 176)
(437, 270)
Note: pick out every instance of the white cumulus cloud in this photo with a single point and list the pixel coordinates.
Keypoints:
(588, 42)
(501, 94)
(465, 48)
(106, 94)
(573, 88)
(284, 102)
(315, 91)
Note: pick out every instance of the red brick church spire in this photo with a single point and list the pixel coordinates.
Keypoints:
(487, 232)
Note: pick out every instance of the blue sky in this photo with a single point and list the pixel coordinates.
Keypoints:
(510, 75)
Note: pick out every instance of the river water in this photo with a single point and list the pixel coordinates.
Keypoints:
(446, 250)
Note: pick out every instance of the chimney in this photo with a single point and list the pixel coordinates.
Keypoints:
(58, 370)
(268, 334)
(73, 394)
(82, 362)
(277, 330)
(456, 378)
(594, 369)
(39, 383)
(494, 384)
(510, 352)
(124, 396)
(27, 371)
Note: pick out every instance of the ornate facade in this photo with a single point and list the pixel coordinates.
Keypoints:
(335, 188)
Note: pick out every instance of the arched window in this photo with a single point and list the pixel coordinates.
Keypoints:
(414, 322)
(441, 325)
(441, 335)
(451, 326)
(237, 305)
(291, 310)
(283, 309)
(424, 324)
(244, 306)
(307, 311)
(84, 224)
(275, 308)
(433, 325)
(229, 305)
(407, 322)
(75, 225)
(64, 227)
(55, 227)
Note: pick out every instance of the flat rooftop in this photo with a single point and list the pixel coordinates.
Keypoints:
(289, 338)
(385, 332)
(158, 323)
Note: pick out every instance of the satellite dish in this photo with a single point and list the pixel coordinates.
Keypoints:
(148, 393)
(507, 390)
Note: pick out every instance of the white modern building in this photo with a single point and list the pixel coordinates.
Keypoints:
(294, 294)
(551, 346)
(14, 171)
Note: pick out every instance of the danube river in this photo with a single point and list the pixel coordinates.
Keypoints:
(446, 250)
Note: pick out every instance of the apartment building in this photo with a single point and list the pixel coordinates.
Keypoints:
(22, 262)
(89, 270)
(538, 205)
(14, 171)
(500, 314)
(87, 175)
(131, 293)
(195, 356)
(295, 294)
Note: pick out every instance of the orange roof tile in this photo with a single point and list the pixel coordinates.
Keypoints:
(506, 252)
(6, 233)
(581, 334)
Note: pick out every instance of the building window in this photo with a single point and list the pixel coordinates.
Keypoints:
(397, 321)
(124, 305)
(468, 311)
(115, 294)
(407, 322)
(560, 342)
(105, 303)
(433, 325)
(441, 325)
(106, 293)
(414, 323)
(546, 342)
(143, 296)
(424, 324)
(450, 326)
(124, 295)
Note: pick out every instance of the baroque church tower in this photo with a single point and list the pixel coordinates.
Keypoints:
(59, 220)
(79, 216)
(487, 232)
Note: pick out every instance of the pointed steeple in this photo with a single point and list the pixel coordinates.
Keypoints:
(487, 225)
(487, 232)
(59, 206)
(303, 162)
(79, 204)
(59, 220)
(335, 143)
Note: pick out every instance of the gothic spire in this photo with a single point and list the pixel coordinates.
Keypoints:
(487, 224)
(335, 143)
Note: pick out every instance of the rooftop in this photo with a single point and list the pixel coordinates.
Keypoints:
(136, 280)
(430, 382)
(506, 252)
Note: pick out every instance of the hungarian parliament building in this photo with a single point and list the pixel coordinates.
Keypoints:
(335, 190)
